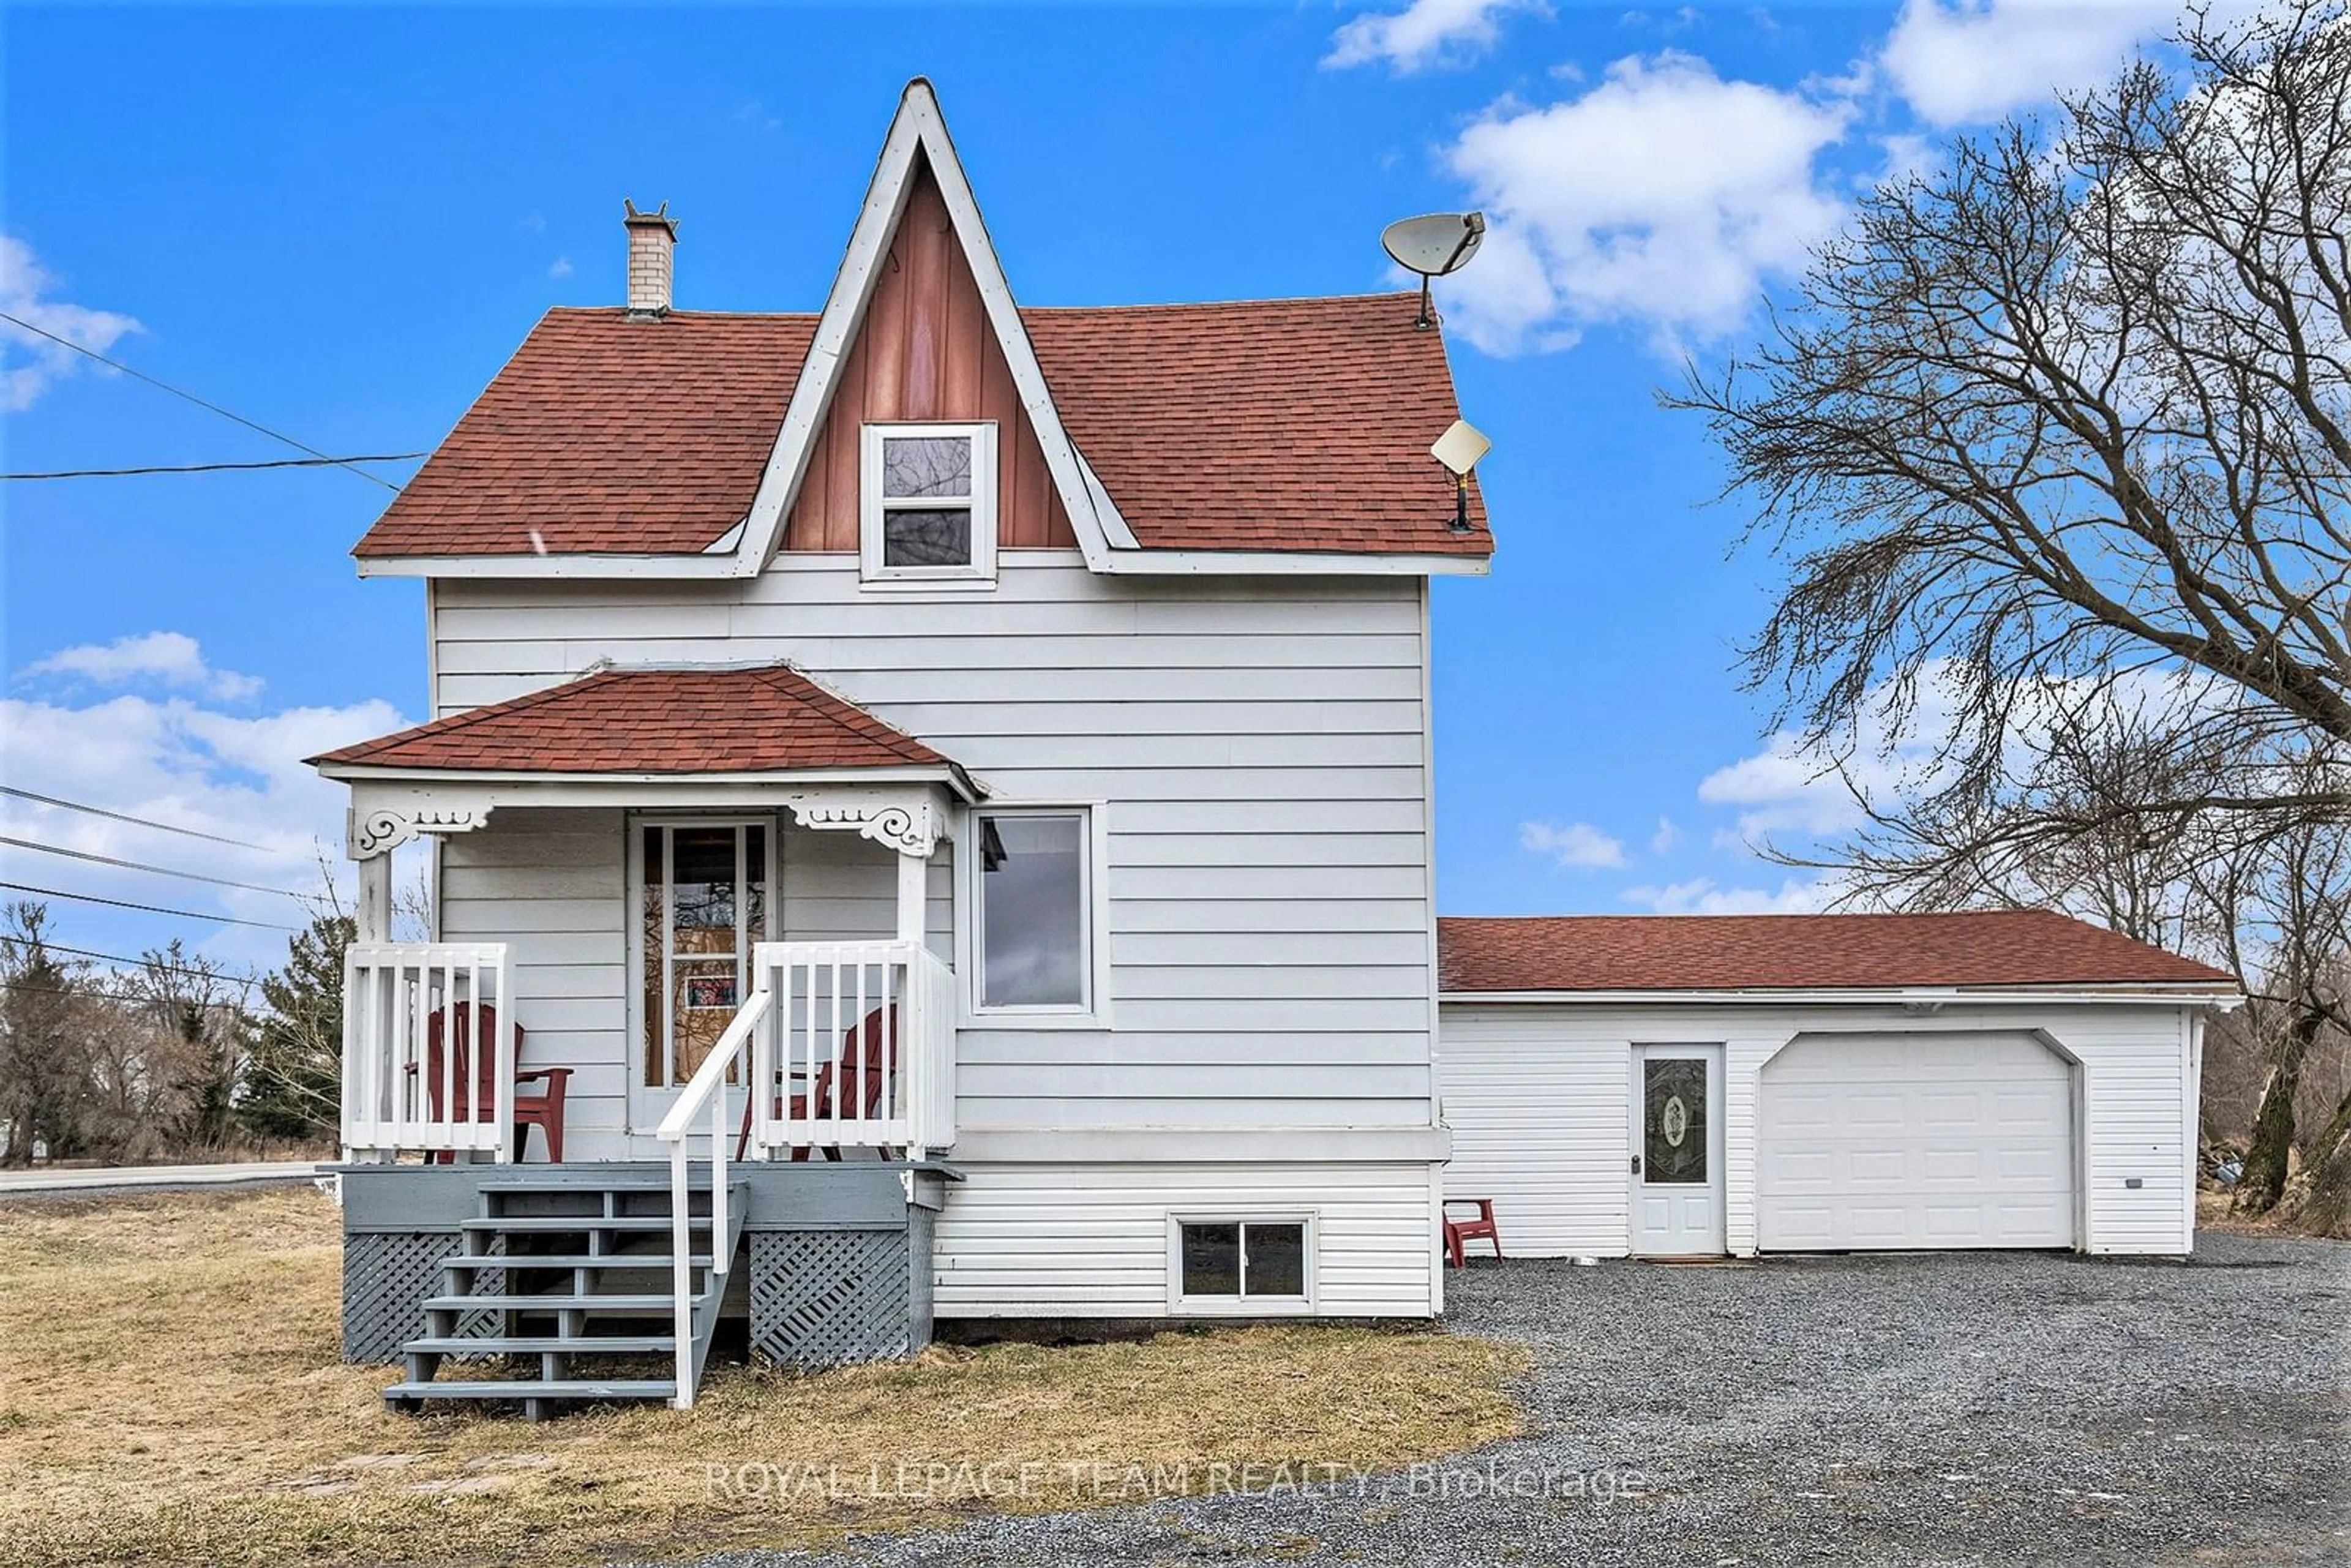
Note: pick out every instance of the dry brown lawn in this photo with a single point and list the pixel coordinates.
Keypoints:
(169, 1392)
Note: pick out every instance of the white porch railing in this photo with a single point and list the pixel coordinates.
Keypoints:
(704, 1096)
(859, 1047)
(840, 1045)
(422, 1062)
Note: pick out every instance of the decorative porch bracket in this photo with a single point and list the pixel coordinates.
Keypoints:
(383, 829)
(906, 819)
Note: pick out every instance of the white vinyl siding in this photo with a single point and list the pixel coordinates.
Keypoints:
(1257, 747)
(1092, 1240)
(1535, 1096)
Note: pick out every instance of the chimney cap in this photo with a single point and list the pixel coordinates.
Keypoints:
(635, 219)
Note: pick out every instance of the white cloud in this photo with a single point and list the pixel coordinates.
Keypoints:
(560, 267)
(1666, 837)
(174, 760)
(158, 658)
(1662, 197)
(1425, 32)
(1574, 845)
(30, 363)
(1702, 895)
(1973, 60)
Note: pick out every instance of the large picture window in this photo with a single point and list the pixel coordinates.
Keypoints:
(927, 511)
(704, 905)
(1035, 942)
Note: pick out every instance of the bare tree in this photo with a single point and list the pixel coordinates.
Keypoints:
(2059, 414)
(2056, 444)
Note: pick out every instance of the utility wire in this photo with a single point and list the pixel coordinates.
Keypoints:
(218, 467)
(87, 991)
(148, 908)
(200, 403)
(234, 975)
(119, 816)
(141, 865)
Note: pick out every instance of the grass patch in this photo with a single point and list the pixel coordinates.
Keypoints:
(172, 1393)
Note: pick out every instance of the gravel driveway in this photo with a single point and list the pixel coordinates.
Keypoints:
(1984, 1409)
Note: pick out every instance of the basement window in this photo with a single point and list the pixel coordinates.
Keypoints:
(928, 504)
(1250, 1265)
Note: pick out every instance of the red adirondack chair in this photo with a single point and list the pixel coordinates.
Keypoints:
(478, 1090)
(1457, 1231)
(851, 1085)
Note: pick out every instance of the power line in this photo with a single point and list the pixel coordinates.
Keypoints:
(141, 865)
(217, 467)
(238, 976)
(200, 403)
(87, 991)
(148, 908)
(119, 816)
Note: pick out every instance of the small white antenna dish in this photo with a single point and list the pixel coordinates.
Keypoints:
(1433, 246)
(1460, 449)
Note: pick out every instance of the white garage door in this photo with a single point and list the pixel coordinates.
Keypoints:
(1914, 1141)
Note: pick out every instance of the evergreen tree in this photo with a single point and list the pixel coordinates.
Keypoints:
(294, 1080)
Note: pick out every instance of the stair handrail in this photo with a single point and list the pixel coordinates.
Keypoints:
(707, 1087)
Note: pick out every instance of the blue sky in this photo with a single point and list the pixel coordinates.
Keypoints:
(338, 223)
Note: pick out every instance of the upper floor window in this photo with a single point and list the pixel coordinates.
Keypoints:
(928, 509)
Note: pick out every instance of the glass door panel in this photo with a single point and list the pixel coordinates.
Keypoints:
(706, 904)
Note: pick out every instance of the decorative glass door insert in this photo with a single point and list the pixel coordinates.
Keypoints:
(1673, 1119)
(706, 904)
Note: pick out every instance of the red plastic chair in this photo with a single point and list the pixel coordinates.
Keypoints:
(869, 1052)
(1457, 1231)
(478, 1090)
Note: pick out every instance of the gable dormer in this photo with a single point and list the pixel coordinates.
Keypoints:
(924, 414)
(1252, 437)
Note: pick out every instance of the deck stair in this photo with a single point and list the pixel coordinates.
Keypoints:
(562, 1293)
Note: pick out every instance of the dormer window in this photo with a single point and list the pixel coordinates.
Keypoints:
(928, 504)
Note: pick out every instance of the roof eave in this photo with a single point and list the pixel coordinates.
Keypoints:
(551, 564)
(2172, 993)
(950, 774)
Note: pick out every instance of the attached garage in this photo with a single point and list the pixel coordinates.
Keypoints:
(1914, 1141)
(2006, 1079)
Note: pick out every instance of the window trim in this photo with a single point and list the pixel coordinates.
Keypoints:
(873, 507)
(1310, 1224)
(1094, 1012)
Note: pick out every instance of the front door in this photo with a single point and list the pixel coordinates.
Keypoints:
(702, 888)
(1677, 1147)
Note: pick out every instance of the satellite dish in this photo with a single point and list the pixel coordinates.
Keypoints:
(1459, 449)
(1433, 246)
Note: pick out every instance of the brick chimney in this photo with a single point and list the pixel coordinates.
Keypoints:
(652, 237)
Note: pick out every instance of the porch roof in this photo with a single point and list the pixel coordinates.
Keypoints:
(680, 722)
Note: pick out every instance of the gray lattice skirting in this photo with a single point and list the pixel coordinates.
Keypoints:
(820, 1297)
(386, 1276)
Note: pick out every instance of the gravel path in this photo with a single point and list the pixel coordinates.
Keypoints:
(1923, 1411)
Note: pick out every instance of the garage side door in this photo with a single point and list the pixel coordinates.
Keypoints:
(1914, 1141)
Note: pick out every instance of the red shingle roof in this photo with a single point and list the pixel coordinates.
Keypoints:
(1779, 952)
(771, 720)
(1284, 424)
(1270, 424)
(606, 435)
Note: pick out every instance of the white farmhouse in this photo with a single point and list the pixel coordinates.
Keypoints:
(930, 803)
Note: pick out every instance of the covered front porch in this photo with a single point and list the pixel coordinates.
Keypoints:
(672, 984)
(654, 890)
